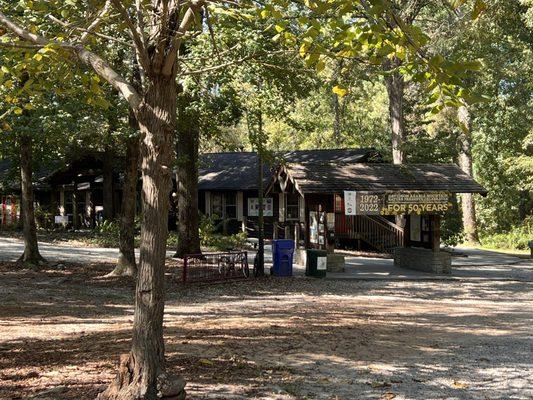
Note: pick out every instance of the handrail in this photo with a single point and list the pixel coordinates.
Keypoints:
(384, 237)
(385, 221)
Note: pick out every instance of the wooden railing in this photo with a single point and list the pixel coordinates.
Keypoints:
(375, 230)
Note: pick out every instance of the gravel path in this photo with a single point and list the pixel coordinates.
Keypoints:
(62, 331)
(12, 248)
(476, 263)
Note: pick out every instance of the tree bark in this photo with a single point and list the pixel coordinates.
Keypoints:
(143, 370)
(75, 211)
(395, 90)
(187, 184)
(468, 204)
(260, 271)
(108, 184)
(126, 264)
(336, 120)
(31, 253)
(337, 108)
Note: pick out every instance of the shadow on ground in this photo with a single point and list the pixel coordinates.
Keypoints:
(63, 330)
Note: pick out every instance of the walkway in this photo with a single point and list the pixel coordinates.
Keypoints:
(469, 264)
(12, 248)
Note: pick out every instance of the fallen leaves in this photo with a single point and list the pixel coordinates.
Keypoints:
(459, 385)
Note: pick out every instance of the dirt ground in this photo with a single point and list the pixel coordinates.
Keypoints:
(62, 331)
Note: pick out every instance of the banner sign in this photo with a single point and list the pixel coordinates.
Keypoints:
(368, 203)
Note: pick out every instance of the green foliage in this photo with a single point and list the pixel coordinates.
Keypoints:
(108, 227)
(206, 225)
(44, 217)
(218, 242)
(516, 238)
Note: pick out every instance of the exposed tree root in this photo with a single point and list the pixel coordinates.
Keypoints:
(129, 384)
(34, 262)
(123, 268)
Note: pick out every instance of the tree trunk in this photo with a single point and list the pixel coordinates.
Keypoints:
(260, 271)
(337, 108)
(31, 253)
(336, 120)
(465, 163)
(395, 88)
(187, 184)
(75, 211)
(141, 372)
(126, 264)
(108, 184)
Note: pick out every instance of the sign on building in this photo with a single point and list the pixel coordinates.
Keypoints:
(349, 202)
(368, 203)
(253, 207)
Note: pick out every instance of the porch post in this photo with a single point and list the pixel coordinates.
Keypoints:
(88, 209)
(62, 202)
(75, 224)
(435, 230)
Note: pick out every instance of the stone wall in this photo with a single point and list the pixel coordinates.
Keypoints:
(436, 262)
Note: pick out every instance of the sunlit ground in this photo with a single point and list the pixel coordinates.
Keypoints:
(63, 330)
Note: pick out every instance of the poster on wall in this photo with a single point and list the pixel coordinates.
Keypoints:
(313, 227)
(415, 228)
(253, 207)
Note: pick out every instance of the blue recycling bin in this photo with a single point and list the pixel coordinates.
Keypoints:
(282, 256)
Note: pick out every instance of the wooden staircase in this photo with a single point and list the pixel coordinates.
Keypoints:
(375, 230)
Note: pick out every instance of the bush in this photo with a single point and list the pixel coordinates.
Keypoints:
(111, 228)
(210, 239)
(207, 229)
(44, 217)
(516, 239)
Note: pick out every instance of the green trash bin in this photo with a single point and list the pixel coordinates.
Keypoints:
(316, 264)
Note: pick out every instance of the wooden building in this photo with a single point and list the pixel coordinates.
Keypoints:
(72, 192)
(229, 186)
(394, 209)
(321, 187)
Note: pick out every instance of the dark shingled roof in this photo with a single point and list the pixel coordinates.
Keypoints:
(335, 178)
(238, 170)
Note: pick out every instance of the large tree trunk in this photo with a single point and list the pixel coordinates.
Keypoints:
(336, 120)
(468, 204)
(143, 369)
(108, 184)
(75, 211)
(126, 264)
(187, 184)
(31, 248)
(337, 107)
(395, 90)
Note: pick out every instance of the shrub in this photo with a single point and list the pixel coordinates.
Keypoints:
(515, 239)
(44, 217)
(109, 228)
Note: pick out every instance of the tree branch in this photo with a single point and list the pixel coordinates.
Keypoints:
(89, 58)
(136, 35)
(97, 21)
(186, 23)
(98, 34)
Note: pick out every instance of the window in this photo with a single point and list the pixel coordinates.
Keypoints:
(216, 205)
(231, 205)
(293, 206)
(224, 205)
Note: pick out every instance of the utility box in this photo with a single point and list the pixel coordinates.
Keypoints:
(317, 263)
(282, 257)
